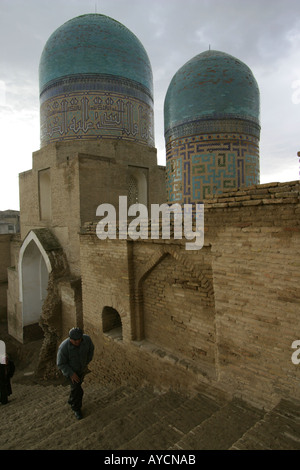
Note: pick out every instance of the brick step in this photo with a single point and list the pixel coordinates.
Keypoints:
(174, 424)
(140, 413)
(279, 429)
(36, 412)
(28, 398)
(125, 418)
(98, 413)
(222, 429)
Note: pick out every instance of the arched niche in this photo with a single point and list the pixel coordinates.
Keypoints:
(112, 323)
(176, 311)
(137, 186)
(45, 194)
(34, 270)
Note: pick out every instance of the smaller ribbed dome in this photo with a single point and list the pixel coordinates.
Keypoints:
(212, 85)
(212, 128)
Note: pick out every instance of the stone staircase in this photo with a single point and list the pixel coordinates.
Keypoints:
(38, 417)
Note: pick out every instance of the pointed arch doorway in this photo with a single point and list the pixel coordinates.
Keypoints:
(34, 270)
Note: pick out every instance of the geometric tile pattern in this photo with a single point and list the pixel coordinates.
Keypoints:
(198, 166)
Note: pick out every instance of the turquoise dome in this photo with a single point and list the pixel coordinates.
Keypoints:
(212, 85)
(94, 44)
(95, 83)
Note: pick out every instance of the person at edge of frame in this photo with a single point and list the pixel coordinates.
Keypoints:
(7, 370)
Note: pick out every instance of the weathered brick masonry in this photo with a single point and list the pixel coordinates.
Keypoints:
(226, 314)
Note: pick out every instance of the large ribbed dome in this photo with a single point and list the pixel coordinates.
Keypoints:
(94, 44)
(95, 82)
(212, 85)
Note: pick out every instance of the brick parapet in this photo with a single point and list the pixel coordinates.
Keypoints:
(262, 194)
(269, 194)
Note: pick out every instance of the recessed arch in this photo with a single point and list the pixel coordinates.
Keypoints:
(112, 323)
(171, 298)
(45, 194)
(34, 269)
(133, 194)
(197, 274)
(137, 186)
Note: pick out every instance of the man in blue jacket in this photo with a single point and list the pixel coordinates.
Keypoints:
(73, 356)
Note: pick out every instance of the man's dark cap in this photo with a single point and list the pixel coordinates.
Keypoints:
(75, 333)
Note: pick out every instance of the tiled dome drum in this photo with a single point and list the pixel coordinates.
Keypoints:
(95, 82)
(212, 127)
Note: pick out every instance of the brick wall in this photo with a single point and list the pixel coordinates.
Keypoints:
(255, 237)
(226, 314)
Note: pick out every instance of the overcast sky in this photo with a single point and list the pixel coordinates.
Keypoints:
(265, 34)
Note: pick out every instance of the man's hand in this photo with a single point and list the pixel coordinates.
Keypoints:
(75, 378)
